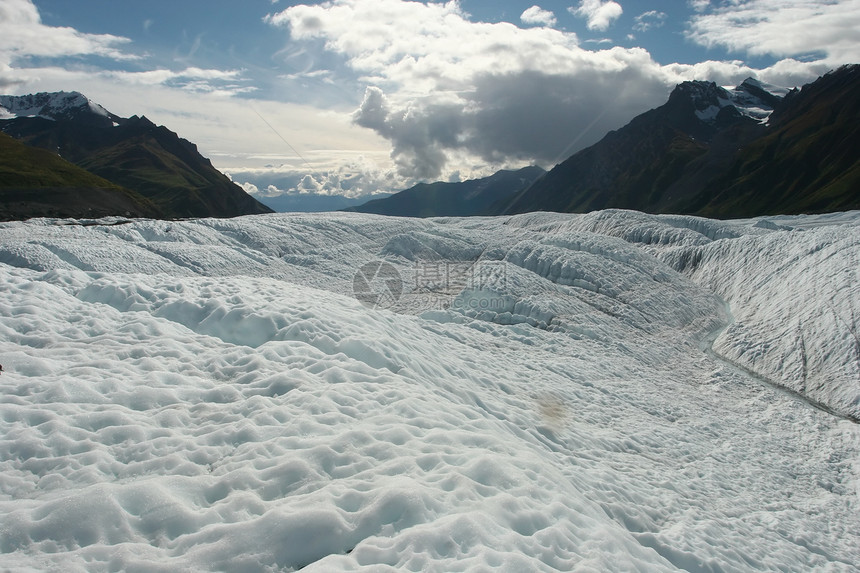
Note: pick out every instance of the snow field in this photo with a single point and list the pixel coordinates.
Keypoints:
(206, 395)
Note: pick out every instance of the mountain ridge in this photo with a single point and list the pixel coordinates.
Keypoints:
(132, 153)
(700, 153)
(810, 149)
(54, 106)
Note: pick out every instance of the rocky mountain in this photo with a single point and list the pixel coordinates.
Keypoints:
(463, 199)
(751, 150)
(132, 153)
(808, 160)
(57, 106)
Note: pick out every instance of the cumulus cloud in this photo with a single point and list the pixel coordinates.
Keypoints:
(448, 93)
(373, 111)
(420, 133)
(786, 73)
(782, 28)
(251, 189)
(538, 16)
(443, 87)
(356, 178)
(599, 14)
(648, 20)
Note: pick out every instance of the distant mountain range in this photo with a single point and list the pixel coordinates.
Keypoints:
(313, 202)
(122, 166)
(752, 150)
(441, 199)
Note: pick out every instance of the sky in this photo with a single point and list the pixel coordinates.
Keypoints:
(353, 97)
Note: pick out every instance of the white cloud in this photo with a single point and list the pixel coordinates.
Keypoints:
(599, 41)
(423, 45)
(21, 79)
(786, 73)
(374, 110)
(783, 28)
(355, 177)
(599, 14)
(648, 20)
(223, 82)
(444, 89)
(451, 94)
(22, 35)
(251, 189)
(699, 5)
(197, 103)
(538, 16)
(309, 184)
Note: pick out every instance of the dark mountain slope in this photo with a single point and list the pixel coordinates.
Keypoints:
(37, 183)
(134, 153)
(808, 162)
(442, 199)
(716, 153)
(158, 164)
(638, 166)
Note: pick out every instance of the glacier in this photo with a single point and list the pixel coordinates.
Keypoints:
(612, 391)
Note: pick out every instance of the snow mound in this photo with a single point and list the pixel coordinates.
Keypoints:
(538, 393)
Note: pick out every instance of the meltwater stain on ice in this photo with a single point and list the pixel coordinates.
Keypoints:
(553, 412)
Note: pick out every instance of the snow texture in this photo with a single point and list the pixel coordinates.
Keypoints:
(544, 392)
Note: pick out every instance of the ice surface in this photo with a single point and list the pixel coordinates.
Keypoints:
(542, 394)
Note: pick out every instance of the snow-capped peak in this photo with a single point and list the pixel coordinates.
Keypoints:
(53, 106)
(752, 98)
(756, 99)
(776, 91)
